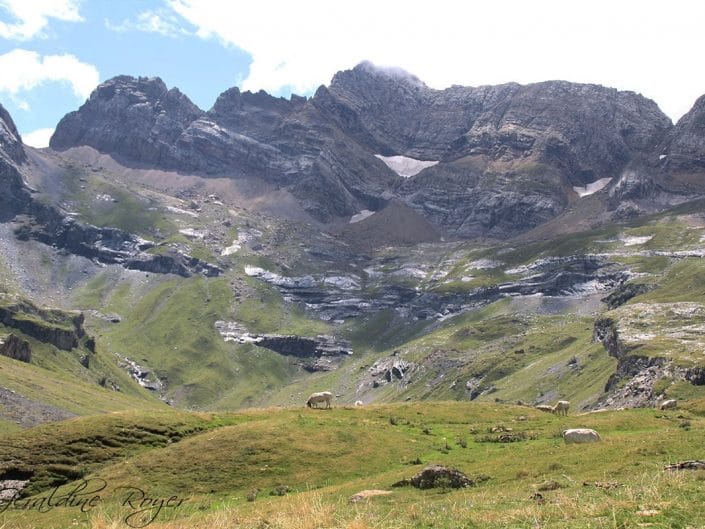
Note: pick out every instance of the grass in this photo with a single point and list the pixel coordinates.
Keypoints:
(50, 387)
(324, 457)
(171, 328)
(119, 207)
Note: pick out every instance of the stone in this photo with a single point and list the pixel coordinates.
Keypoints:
(438, 476)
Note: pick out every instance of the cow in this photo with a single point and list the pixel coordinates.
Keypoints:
(561, 407)
(316, 398)
(670, 404)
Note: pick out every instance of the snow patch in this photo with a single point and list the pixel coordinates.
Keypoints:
(278, 280)
(361, 216)
(628, 240)
(483, 264)
(592, 187)
(405, 166)
(193, 234)
(182, 211)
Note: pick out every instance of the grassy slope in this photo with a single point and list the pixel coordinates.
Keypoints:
(325, 456)
(66, 392)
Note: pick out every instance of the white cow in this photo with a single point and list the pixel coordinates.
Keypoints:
(359, 403)
(581, 435)
(561, 407)
(670, 404)
(316, 398)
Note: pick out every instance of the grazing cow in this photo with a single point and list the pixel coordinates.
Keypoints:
(359, 403)
(561, 407)
(544, 407)
(581, 435)
(316, 398)
(670, 404)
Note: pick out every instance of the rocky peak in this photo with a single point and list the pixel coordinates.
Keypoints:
(498, 159)
(594, 130)
(371, 75)
(14, 195)
(135, 118)
(685, 145)
(10, 140)
(257, 115)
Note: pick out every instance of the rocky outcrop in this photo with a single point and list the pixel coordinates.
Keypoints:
(14, 195)
(303, 347)
(633, 383)
(172, 263)
(320, 353)
(508, 155)
(63, 329)
(684, 149)
(10, 141)
(106, 245)
(605, 332)
(16, 348)
(137, 119)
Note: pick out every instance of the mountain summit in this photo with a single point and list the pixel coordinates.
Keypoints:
(485, 161)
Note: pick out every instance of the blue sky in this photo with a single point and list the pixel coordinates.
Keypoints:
(109, 39)
(54, 52)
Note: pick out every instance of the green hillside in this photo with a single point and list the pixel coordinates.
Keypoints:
(298, 467)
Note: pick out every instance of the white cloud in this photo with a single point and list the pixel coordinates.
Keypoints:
(24, 70)
(160, 21)
(38, 138)
(32, 16)
(639, 45)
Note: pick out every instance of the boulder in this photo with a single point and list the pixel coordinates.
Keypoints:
(437, 476)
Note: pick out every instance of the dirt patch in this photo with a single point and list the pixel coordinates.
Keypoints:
(27, 413)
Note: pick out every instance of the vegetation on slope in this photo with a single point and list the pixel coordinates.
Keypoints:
(305, 464)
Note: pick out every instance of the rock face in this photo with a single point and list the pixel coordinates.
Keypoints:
(50, 225)
(684, 148)
(16, 348)
(106, 245)
(138, 119)
(285, 142)
(13, 193)
(508, 155)
(60, 328)
(10, 141)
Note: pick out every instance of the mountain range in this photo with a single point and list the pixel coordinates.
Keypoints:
(381, 238)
